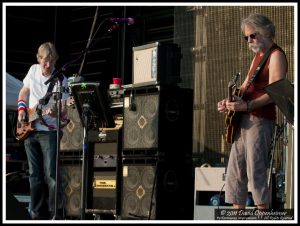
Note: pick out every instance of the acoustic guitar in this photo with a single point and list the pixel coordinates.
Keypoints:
(24, 129)
(232, 117)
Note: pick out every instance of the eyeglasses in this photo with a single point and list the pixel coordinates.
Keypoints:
(252, 36)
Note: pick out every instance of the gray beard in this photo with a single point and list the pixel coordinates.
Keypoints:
(257, 48)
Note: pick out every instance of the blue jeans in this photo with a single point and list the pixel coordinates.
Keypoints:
(41, 148)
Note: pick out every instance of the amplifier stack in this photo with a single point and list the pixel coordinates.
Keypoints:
(157, 180)
(142, 169)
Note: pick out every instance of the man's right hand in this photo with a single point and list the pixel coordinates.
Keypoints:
(222, 106)
(21, 116)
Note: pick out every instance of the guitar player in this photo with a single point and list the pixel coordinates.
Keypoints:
(41, 144)
(248, 160)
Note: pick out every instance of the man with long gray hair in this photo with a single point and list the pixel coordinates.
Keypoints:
(248, 161)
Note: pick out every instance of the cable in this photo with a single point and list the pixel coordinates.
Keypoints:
(220, 196)
(152, 192)
(220, 199)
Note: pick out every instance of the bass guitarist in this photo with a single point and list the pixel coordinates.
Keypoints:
(41, 143)
(248, 160)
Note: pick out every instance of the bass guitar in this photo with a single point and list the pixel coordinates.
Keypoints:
(24, 129)
(232, 117)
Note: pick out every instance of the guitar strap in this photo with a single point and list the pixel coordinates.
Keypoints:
(44, 101)
(259, 67)
(46, 98)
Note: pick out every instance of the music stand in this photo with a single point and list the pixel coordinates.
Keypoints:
(94, 112)
(95, 96)
(282, 93)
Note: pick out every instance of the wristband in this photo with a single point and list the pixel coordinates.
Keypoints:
(22, 105)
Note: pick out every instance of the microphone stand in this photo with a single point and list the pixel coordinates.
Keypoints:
(85, 150)
(58, 76)
(83, 52)
(58, 98)
(55, 78)
(89, 40)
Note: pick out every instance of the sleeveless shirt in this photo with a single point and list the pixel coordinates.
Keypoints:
(256, 89)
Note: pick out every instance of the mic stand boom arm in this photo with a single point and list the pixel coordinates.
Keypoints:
(83, 52)
(89, 40)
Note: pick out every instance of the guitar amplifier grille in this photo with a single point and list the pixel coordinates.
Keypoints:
(158, 119)
(72, 134)
(142, 125)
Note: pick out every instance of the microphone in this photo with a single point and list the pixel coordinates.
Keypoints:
(113, 27)
(128, 20)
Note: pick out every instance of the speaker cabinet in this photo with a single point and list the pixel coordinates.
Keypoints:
(156, 63)
(157, 189)
(71, 184)
(72, 138)
(158, 118)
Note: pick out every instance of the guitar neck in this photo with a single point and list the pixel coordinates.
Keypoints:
(232, 86)
(230, 96)
(33, 115)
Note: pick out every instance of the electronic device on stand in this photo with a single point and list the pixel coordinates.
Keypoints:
(94, 113)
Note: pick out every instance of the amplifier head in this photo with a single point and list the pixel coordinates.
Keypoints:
(156, 63)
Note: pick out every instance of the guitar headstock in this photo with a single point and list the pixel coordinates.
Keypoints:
(234, 79)
(232, 85)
